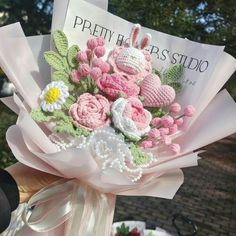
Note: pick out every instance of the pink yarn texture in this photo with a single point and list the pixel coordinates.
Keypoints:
(156, 95)
(90, 112)
(115, 85)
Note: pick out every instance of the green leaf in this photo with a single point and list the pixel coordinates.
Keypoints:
(54, 60)
(69, 101)
(71, 56)
(139, 157)
(156, 112)
(176, 86)
(174, 73)
(63, 76)
(60, 76)
(157, 72)
(60, 42)
(59, 114)
(40, 116)
(66, 126)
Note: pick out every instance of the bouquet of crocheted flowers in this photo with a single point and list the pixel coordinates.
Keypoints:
(107, 122)
(123, 103)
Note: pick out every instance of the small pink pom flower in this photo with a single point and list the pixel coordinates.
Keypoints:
(175, 108)
(104, 66)
(89, 53)
(164, 131)
(92, 43)
(84, 69)
(156, 121)
(100, 51)
(95, 73)
(167, 121)
(173, 129)
(146, 144)
(75, 76)
(166, 139)
(82, 57)
(189, 111)
(179, 122)
(175, 148)
(154, 133)
(100, 41)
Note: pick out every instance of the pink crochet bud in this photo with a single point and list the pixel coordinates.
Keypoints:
(84, 69)
(154, 133)
(104, 66)
(166, 139)
(179, 122)
(100, 51)
(89, 54)
(175, 148)
(92, 43)
(175, 108)
(146, 144)
(164, 131)
(189, 111)
(156, 121)
(173, 129)
(75, 76)
(100, 41)
(167, 121)
(95, 73)
(82, 56)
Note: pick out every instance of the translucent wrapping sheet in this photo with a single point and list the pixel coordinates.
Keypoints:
(21, 60)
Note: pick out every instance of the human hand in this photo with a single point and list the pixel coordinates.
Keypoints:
(29, 180)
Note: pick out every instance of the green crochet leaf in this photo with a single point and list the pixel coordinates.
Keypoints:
(66, 126)
(156, 112)
(176, 86)
(157, 72)
(140, 158)
(59, 114)
(69, 101)
(71, 56)
(174, 73)
(60, 76)
(54, 60)
(173, 77)
(40, 116)
(60, 42)
(66, 65)
(63, 76)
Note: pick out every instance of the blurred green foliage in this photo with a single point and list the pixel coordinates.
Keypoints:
(8, 118)
(209, 21)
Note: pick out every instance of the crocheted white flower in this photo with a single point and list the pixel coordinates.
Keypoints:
(129, 116)
(54, 96)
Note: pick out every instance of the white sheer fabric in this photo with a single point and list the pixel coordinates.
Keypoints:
(16, 222)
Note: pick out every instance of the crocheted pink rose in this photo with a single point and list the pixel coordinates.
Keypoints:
(129, 116)
(115, 85)
(90, 112)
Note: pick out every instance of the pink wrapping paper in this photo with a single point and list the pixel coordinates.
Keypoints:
(31, 145)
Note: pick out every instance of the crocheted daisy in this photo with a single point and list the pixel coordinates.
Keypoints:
(54, 96)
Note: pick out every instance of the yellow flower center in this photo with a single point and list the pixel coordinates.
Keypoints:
(52, 95)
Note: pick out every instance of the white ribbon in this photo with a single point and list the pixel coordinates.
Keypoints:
(69, 202)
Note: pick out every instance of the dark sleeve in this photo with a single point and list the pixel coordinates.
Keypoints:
(9, 198)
